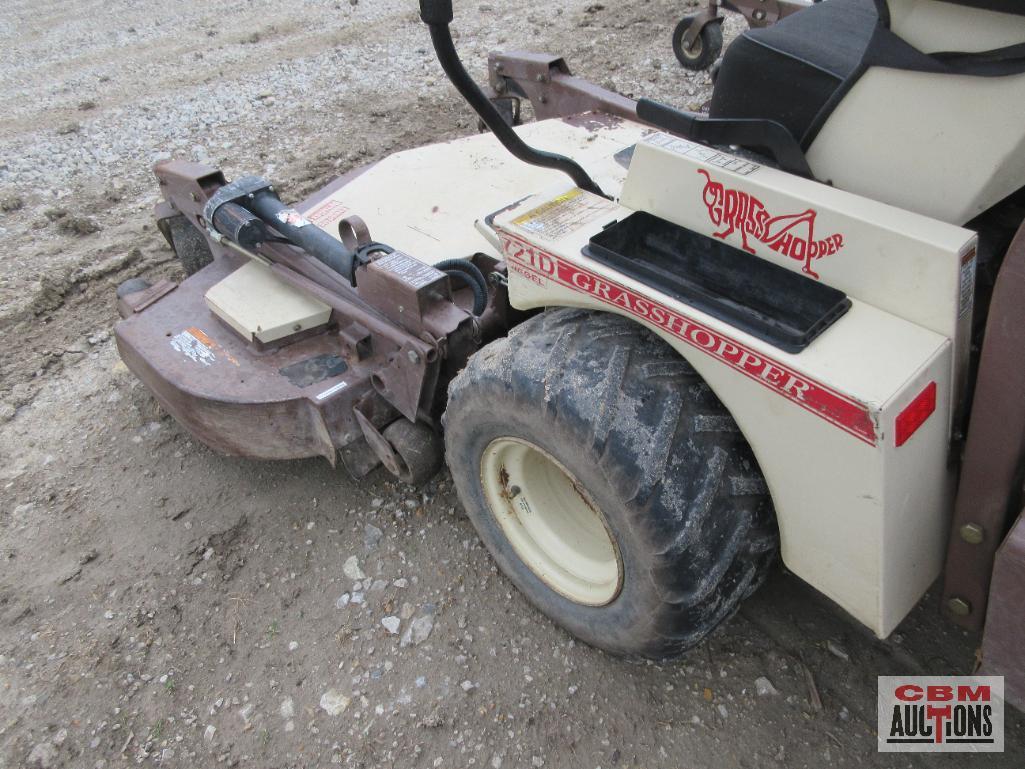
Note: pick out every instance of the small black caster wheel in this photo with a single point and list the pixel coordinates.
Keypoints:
(706, 47)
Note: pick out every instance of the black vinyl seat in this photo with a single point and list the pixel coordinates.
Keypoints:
(789, 72)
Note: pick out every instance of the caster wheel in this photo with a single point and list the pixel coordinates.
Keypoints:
(188, 243)
(418, 451)
(705, 49)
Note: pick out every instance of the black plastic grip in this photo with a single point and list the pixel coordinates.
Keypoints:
(436, 11)
(756, 134)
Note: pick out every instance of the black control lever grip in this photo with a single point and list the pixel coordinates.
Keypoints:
(767, 136)
(437, 14)
(436, 11)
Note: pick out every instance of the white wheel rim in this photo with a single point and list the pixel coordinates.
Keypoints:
(551, 522)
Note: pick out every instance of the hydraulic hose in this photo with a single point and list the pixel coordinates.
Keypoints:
(437, 15)
(468, 272)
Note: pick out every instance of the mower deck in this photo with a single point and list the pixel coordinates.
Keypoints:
(235, 397)
(294, 397)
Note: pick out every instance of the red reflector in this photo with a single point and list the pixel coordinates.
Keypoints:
(915, 414)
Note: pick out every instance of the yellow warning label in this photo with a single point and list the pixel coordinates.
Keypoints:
(565, 214)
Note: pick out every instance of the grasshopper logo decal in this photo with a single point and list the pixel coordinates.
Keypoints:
(790, 234)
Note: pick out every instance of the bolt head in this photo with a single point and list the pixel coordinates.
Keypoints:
(413, 357)
(972, 533)
(959, 607)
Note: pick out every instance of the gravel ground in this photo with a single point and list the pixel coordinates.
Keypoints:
(161, 604)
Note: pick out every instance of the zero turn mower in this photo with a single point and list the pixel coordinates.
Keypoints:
(655, 347)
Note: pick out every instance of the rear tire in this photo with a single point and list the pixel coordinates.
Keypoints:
(645, 445)
(706, 47)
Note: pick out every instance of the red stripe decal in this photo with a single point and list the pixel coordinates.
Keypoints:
(535, 265)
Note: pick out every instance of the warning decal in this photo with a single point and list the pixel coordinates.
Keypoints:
(195, 345)
(703, 153)
(192, 347)
(966, 293)
(412, 271)
(327, 213)
(564, 214)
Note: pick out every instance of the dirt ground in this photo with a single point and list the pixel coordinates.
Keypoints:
(162, 604)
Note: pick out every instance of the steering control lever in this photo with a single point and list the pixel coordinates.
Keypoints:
(437, 15)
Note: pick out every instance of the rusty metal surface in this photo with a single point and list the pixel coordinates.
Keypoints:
(187, 186)
(990, 484)
(379, 444)
(1003, 645)
(388, 351)
(762, 13)
(231, 396)
(140, 300)
(552, 90)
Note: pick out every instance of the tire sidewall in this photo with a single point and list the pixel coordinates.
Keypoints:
(602, 626)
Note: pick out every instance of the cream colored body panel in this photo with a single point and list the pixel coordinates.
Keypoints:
(836, 492)
(261, 307)
(903, 263)
(926, 142)
(933, 26)
(860, 519)
(946, 146)
(426, 201)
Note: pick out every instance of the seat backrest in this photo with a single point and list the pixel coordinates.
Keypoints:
(947, 25)
(914, 129)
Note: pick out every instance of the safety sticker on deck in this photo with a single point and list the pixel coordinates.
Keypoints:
(564, 214)
(192, 347)
(325, 214)
(702, 153)
(836, 408)
(195, 345)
